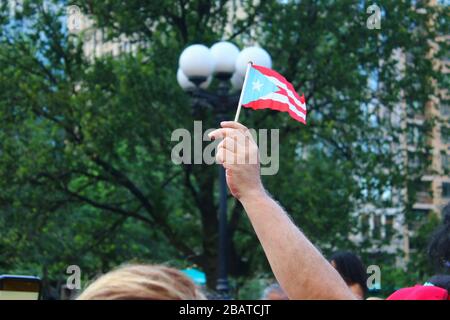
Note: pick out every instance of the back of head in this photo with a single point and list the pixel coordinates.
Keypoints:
(274, 292)
(439, 245)
(142, 282)
(351, 268)
(441, 281)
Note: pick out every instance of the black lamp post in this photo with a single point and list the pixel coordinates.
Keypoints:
(224, 63)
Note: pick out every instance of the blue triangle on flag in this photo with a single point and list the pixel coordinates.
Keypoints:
(257, 86)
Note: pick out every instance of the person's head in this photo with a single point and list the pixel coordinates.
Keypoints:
(352, 271)
(439, 245)
(274, 292)
(142, 282)
(441, 281)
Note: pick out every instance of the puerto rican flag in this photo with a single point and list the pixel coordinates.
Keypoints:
(267, 89)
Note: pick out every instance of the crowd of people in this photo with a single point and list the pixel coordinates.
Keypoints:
(302, 272)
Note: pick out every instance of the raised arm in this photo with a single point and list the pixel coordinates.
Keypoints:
(298, 266)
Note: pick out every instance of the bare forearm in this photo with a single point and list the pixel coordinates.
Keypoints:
(298, 266)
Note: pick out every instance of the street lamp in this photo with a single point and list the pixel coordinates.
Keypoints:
(198, 65)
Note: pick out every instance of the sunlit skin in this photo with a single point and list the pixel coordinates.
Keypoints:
(276, 295)
(298, 266)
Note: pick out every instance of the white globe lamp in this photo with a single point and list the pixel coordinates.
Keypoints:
(225, 55)
(256, 55)
(197, 63)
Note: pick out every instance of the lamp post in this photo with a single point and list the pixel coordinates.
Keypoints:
(198, 67)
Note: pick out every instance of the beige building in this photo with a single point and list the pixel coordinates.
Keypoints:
(434, 187)
(386, 227)
(434, 192)
(96, 42)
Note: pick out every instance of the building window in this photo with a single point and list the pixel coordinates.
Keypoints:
(418, 215)
(445, 161)
(365, 224)
(417, 219)
(446, 189)
(389, 227)
(103, 36)
(445, 135)
(414, 136)
(415, 110)
(413, 161)
(445, 110)
(377, 226)
(424, 193)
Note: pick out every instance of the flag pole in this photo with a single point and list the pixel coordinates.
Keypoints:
(236, 118)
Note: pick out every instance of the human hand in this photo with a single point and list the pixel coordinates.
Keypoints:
(239, 155)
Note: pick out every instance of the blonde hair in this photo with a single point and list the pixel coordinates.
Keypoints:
(142, 282)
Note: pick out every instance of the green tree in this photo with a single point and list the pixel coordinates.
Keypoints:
(85, 168)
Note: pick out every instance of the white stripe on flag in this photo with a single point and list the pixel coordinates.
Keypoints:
(289, 92)
(283, 99)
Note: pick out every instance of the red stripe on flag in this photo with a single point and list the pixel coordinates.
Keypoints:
(273, 105)
(296, 117)
(302, 99)
(299, 107)
(272, 73)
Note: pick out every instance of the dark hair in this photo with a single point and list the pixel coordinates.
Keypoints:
(441, 281)
(351, 268)
(439, 245)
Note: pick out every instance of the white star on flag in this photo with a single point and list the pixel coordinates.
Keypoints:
(256, 85)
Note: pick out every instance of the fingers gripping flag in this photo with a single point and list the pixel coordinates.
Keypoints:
(267, 89)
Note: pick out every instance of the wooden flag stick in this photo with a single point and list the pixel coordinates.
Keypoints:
(236, 118)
